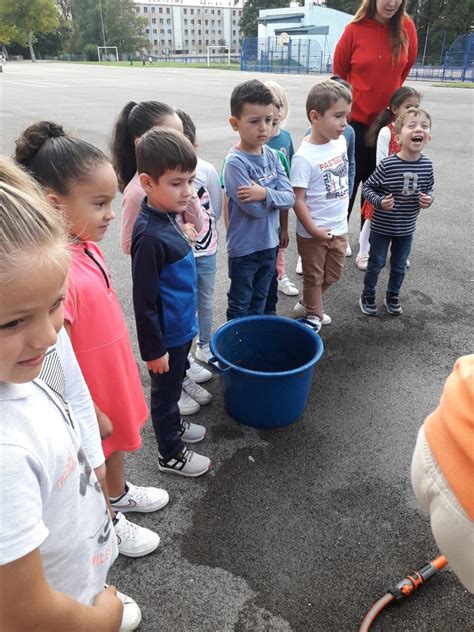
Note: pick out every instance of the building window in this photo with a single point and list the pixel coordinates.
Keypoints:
(206, 32)
(147, 31)
(168, 21)
(192, 21)
(155, 42)
(153, 9)
(162, 31)
(153, 21)
(186, 32)
(155, 31)
(191, 11)
(161, 20)
(185, 11)
(169, 31)
(167, 9)
(160, 10)
(145, 9)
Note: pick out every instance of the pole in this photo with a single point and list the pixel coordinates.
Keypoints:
(102, 23)
(424, 49)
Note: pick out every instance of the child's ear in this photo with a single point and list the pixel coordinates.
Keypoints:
(146, 182)
(314, 116)
(234, 123)
(53, 198)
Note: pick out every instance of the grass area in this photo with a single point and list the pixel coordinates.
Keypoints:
(454, 84)
(156, 64)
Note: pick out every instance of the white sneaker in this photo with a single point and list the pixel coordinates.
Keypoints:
(314, 320)
(196, 372)
(285, 286)
(348, 250)
(185, 463)
(196, 392)
(141, 499)
(299, 266)
(134, 541)
(187, 405)
(203, 353)
(298, 310)
(191, 433)
(131, 613)
(361, 261)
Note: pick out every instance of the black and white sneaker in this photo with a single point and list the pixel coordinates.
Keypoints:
(191, 433)
(367, 305)
(185, 463)
(392, 303)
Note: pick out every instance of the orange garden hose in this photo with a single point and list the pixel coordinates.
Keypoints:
(403, 589)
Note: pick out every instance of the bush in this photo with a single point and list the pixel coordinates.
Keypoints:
(90, 51)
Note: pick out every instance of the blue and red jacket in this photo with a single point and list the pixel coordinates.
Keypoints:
(164, 283)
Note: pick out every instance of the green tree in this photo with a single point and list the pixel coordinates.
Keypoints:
(122, 26)
(347, 6)
(249, 20)
(21, 21)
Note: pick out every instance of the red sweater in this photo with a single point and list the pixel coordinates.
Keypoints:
(364, 59)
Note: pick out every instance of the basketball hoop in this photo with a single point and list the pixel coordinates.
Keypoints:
(283, 39)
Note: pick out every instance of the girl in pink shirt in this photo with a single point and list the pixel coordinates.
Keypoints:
(79, 179)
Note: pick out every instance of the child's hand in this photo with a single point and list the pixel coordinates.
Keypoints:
(284, 239)
(190, 232)
(323, 233)
(252, 193)
(111, 606)
(105, 425)
(160, 365)
(387, 202)
(425, 200)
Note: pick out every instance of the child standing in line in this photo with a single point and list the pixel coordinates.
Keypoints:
(319, 175)
(208, 189)
(400, 186)
(382, 134)
(56, 540)
(257, 187)
(349, 135)
(164, 292)
(133, 121)
(79, 179)
(282, 142)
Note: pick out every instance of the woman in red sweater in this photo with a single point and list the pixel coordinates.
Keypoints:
(375, 55)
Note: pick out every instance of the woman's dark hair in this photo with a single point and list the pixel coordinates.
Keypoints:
(189, 129)
(398, 37)
(133, 121)
(162, 149)
(55, 159)
(387, 116)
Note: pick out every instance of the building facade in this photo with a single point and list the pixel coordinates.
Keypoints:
(188, 27)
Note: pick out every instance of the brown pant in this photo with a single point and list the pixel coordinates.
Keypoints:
(323, 262)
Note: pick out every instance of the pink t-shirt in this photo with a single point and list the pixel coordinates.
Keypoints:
(132, 197)
(101, 343)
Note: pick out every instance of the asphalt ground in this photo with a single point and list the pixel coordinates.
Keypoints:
(298, 529)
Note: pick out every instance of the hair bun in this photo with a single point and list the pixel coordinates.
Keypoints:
(33, 138)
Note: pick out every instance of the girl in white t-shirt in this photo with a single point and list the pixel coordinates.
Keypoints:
(56, 538)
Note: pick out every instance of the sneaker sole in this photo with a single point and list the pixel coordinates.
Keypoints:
(193, 440)
(142, 553)
(136, 509)
(391, 312)
(169, 470)
(365, 312)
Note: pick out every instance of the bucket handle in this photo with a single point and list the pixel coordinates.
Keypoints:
(308, 323)
(213, 363)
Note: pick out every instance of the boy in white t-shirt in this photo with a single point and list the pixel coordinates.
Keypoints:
(320, 179)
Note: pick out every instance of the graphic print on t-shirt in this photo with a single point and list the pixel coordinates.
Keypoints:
(410, 183)
(336, 177)
(203, 242)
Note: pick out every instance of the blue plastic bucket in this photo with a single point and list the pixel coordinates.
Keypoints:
(265, 365)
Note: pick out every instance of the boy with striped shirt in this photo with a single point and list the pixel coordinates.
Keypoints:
(400, 186)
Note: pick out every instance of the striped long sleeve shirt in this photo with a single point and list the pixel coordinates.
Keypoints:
(405, 180)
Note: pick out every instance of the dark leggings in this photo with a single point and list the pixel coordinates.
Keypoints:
(365, 158)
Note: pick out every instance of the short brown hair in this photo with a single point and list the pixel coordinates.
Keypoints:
(324, 95)
(399, 123)
(162, 149)
(251, 91)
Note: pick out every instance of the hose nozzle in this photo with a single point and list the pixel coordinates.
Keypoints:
(414, 580)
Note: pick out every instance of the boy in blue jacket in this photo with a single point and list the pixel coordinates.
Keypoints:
(164, 292)
(257, 188)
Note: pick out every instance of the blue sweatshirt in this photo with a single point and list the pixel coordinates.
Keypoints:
(164, 283)
(253, 226)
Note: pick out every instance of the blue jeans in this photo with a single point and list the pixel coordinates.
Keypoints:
(250, 277)
(400, 249)
(206, 273)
